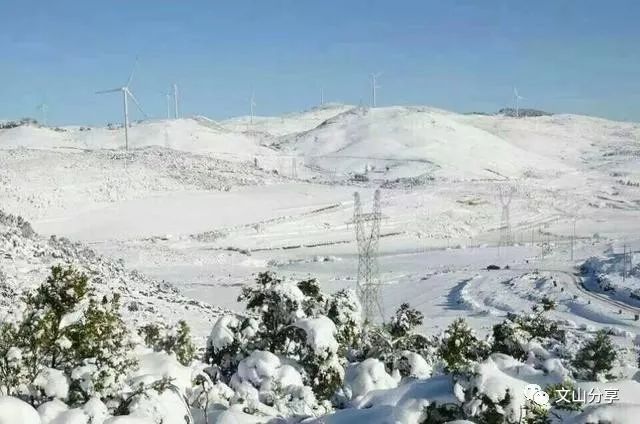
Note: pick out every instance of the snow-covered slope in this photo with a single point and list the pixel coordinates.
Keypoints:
(189, 135)
(27, 257)
(573, 139)
(39, 183)
(286, 124)
(409, 141)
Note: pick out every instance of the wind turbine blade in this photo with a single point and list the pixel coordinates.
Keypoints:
(130, 94)
(109, 91)
(133, 70)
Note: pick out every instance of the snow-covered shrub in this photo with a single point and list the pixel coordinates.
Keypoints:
(595, 357)
(555, 391)
(176, 340)
(460, 348)
(509, 338)
(228, 343)
(278, 304)
(366, 376)
(393, 342)
(405, 321)
(263, 378)
(518, 333)
(410, 364)
(66, 344)
(288, 320)
(345, 311)
(319, 356)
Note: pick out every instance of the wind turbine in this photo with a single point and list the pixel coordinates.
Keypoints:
(321, 96)
(168, 97)
(175, 99)
(126, 95)
(517, 97)
(252, 104)
(374, 87)
(43, 108)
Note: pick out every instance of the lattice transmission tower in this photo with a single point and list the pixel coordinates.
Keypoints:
(505, 195)
(367, 227)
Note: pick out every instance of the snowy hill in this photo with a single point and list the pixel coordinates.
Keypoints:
(27, 258)
(286, 124)
(206, 206)
(37, 183)
(184, 134)
(573, 139)
(409, 141)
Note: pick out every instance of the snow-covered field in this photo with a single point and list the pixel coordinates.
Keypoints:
(205, 206)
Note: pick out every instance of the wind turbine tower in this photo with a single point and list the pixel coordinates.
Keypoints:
(517, 97)
(175, 100)
(252, 104)
(43, 108)
(168, 97)
(126, 95)
(374, 88)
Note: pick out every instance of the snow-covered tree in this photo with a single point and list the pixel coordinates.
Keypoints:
(460, 348)
(405, 321)
(398, 344)
(288, 319)
(278, 305)
(344, 309)
(66, 344)
(176, 340)
(596, 356)
(513, 335)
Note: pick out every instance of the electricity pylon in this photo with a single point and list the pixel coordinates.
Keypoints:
(367, 227)
(505, 195)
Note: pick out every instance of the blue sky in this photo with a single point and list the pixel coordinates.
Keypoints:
(580, 56)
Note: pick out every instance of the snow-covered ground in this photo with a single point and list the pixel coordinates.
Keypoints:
(205, 206)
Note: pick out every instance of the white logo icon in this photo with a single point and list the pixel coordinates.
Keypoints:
(535, 394)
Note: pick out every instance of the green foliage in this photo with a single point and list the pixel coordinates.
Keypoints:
(443, 413)
(152, 335)
(512, 335)
(493, 412)
(181, 344)
(490, 412)
(595, 356)
(460, 348)
(64, 328)
(343, 308)
(277, 305)
(555, 392)
(176, 340)
(12, 373)
(315, 300)
(100, 340)
(227, 357)
(508, 338)
(547, 304)
(390, 342)
(537, 415)
(405, 321)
